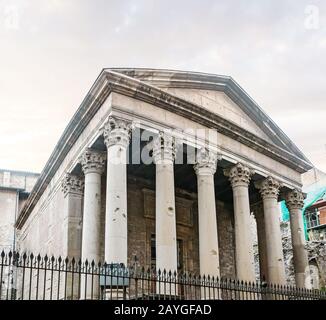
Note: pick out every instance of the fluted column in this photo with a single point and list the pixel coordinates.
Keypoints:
(116, 138)
(205, 169)
(239, 176)
(258, 210)
(93, 166)
(295, 202)
(269, 189)
(166, 237)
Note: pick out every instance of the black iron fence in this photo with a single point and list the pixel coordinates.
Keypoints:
(30, 277)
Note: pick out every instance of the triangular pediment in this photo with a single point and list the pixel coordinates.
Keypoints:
(220, 95)
(218, 102)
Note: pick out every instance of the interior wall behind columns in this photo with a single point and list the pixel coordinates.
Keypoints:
(138, 245)
(226, 240)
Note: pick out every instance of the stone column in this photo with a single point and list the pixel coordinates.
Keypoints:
(93, 166)
(205, 168)
(166, 236)
(239, 176)
(73, 189)
(116, 137)
(258, 210)
(269, 189)
(294, 202)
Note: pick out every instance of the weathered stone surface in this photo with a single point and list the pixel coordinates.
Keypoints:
(316, 255)
(226, 239)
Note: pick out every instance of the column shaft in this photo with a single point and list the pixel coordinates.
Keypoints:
(269, 189)
(243, 241)
(116, 228)
(93, 166)
(240, 178)
(207, 222)
(91, 219)
(165, 223)
(275, 260)
(295, 200)
(166, 234)
(72, 187)
(116, 137)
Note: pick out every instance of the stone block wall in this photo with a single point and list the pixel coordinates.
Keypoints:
(226, 240)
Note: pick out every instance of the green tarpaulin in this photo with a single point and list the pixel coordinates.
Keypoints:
(312, 197)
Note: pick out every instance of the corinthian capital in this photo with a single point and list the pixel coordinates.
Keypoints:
(239, 175)
(269, 187)
(164, 148)
(72, 184)
(206, 162)
(93, 161)
(117, 132)
(295, 199)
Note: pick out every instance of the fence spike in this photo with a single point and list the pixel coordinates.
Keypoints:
(17, 255)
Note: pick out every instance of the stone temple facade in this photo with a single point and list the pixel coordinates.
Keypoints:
(163, 168)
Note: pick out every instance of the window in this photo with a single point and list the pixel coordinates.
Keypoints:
(312, 217)
(179, 252)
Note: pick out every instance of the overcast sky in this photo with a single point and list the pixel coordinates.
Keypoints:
(51, 51)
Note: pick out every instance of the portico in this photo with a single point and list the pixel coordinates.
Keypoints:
(191, 215)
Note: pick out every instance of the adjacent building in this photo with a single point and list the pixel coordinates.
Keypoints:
(15, 187)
